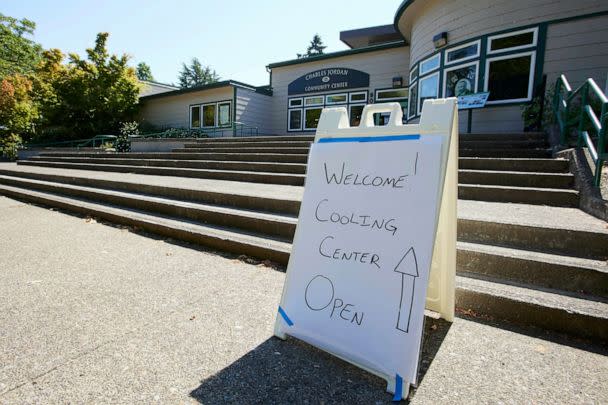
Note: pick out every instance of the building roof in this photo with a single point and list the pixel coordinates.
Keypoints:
(362, 37)
(216, 85)
(370, 48)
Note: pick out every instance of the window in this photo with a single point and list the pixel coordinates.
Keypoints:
(336, 99)
(294, 120)
(428, 88)
(413, 100)
(391, 94)
(460, 80)
(311, 117)
(414, 74)
(462, 52)
(315, 100)
(510, 78)
(223, 116)
(430, 64)
(208, 115)
(358, 97)
(512, 41)
(195, 116)
(355, 112)
(295, 102)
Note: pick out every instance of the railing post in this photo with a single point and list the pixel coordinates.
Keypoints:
(601, 145)
(582, 115)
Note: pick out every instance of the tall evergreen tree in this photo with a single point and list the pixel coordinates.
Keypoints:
(316, 47)
(195, 74)
(144, 72)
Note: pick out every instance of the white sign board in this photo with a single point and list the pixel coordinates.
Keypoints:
(358, 272)
(477, 100)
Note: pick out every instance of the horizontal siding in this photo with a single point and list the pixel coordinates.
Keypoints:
(464, 19)
(174, 111)
(578, 49)
(254, 109)
(382, 66)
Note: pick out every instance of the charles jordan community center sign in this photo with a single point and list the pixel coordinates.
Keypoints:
(328, 80)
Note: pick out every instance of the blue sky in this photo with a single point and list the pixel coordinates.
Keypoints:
(238, 38)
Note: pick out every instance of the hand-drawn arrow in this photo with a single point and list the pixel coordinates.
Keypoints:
(408, 267)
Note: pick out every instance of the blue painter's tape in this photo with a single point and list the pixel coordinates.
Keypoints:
(398, 388)
(371, 138)
(285, 317)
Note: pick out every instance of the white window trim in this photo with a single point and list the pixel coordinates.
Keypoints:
(392, 98)
(327, 102)
(203, 116)
(445, 57)
(217, 112)
(419, 86)
(289, 129)
(296, 99)
(446, 70)
(412, 85)
(304, 127)
(316, 104)
(436, 56)
(530, 79)
(355, 93)
(534, 30)
(415, 70)
(199, 116)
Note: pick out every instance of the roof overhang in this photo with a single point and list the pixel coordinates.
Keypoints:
(362, 37)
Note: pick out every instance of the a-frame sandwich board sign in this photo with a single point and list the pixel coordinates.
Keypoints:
(376, 231)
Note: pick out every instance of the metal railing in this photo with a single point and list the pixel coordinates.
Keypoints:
(566, 102)
(93, 142)
(235, 129)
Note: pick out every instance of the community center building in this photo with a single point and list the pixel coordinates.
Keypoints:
(513, 49)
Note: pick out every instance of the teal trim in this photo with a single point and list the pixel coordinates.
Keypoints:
(371, 48)
(402, 7)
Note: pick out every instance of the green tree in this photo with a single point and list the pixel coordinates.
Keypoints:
(18, 113)
(144, 72)
(18, 53)
(316, 47)
(196, 74)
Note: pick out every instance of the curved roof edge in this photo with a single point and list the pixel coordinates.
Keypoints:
(402, 7)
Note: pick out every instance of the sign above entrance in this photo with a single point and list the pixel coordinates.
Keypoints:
(329, 79)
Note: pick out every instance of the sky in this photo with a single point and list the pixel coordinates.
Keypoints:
(237, 38)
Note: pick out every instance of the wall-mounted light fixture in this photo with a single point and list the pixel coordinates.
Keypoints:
(440, 39)
(398, 81)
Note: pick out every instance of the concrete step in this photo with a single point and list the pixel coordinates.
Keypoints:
(297, 168)
(502, 144)
(243, 149)
(246, 139)
(258, 223)
(515, 164)
(514, 136)
(523, 195)
(517, 179)
(210, 236)
(233, 175)
(531, 307)
(246, 145)
(505, 153)
(573, 274)
(241, 157)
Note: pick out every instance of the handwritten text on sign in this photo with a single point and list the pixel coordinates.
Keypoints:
(358, 272)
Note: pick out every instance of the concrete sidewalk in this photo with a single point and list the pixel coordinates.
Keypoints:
(98, 314)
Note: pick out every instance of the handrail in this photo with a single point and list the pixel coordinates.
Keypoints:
(562, 106)
(234, 129)
(78, 143)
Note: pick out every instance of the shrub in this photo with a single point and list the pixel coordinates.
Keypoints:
(127, 129)
(9, 145)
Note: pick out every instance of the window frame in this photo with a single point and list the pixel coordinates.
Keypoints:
(203, 115)
(349, 113)
(411, 86)
(456, 67)
(419, 107)
(414, 70)
(300, 99)
(488, 61)
(336, 102)
(304, 127)
(322, 97)
(436, 56)
(289, 129)
(217, 112)
(534, 43)
(354, 93)
(378, 91)
(448, 50)
(200, 121)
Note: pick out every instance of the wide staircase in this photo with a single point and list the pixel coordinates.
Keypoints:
(526, 254)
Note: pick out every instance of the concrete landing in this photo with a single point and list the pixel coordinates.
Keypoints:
(117, 317)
